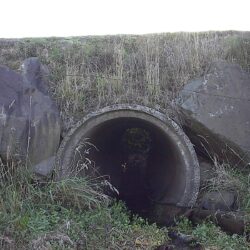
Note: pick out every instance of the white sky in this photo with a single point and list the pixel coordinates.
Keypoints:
(43, 18)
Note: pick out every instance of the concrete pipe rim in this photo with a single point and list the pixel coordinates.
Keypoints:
(192, 170)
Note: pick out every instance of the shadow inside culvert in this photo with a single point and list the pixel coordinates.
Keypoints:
(141, 161)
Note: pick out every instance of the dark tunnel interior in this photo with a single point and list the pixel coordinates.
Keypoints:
(140, 160)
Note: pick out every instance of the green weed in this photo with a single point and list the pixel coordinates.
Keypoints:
(211, 236)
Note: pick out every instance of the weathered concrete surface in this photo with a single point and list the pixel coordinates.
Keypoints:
(216, 113)
(29, 120)
(171, 168)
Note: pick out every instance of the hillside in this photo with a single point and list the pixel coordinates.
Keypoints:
(90, 72)
(86, 74)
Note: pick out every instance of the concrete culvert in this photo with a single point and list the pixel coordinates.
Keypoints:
(146, 156)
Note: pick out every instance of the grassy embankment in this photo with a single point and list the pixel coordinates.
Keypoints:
(91, 72)
(88, 73)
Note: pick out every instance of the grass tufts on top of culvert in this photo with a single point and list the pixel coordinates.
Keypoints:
(91, 72)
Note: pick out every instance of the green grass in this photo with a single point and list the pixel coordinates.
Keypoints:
(75, 214)
(68, 214)
(211, 236)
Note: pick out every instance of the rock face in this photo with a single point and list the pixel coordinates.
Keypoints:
(216, 113)
(29, 121)
(219, 200)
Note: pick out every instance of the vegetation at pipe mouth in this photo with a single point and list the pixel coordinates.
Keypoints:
(75, 214)
(225, 178)
(68, 214)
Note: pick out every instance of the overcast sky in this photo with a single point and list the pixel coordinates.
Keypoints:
(43, 18)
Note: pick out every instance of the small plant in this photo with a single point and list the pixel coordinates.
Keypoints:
(184, 225)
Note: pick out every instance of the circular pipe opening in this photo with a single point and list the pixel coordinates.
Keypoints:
(146, 156)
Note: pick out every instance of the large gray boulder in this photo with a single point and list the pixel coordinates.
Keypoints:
(29, 120)
(216, 113)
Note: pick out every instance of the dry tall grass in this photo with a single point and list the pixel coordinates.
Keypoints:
(89, 72)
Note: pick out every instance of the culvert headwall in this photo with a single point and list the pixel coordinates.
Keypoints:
(146, 155)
